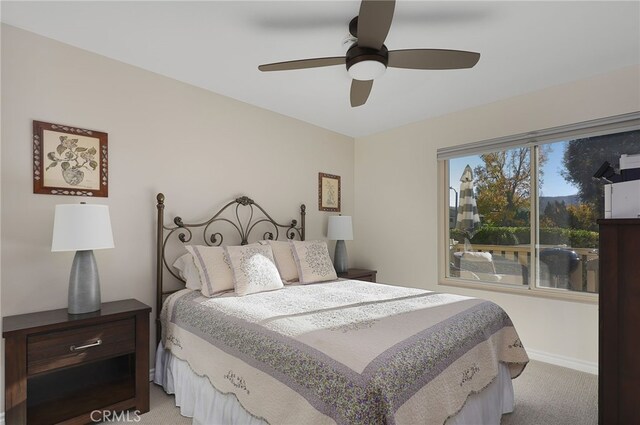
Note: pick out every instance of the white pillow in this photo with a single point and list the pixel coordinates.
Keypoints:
(487, 277)
(283, 256)
(254, 269)
(213, 267)
(313, 261)
(188, 271)
(477, 256)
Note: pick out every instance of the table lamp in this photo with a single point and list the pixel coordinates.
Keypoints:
(340, 230)
(82, 228)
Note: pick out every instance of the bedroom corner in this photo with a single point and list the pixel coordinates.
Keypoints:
(415, 186)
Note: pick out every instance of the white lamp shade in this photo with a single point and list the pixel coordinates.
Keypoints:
(81, 227)
(340, 228)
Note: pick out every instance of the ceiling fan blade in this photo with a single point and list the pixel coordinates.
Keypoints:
(360, 92)
(432, 59)
(302, 64)
(374, 21)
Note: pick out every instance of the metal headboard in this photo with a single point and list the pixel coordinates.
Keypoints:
(184, 233)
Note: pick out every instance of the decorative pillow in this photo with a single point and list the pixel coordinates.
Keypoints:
(188, 271)
(254, 269)
(313, 261)
(283, 256)
(213, 267)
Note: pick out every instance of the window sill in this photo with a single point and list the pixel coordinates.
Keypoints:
(558, 294)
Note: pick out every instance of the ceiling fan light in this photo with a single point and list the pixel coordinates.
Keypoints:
(367, 70)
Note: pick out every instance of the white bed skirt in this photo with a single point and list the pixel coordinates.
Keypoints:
(198, 399)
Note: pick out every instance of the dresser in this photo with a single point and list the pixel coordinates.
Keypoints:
(77, 369)
(619, 322)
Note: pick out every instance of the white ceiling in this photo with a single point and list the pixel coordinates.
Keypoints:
(218, 46)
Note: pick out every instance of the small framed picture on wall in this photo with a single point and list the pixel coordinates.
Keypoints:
(328, 192)
(69, 160)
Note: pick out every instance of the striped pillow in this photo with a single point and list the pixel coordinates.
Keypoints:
(214, 268)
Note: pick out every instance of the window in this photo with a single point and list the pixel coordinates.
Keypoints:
(522, 211)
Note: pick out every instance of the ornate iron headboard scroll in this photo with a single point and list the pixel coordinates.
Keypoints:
(184, 232)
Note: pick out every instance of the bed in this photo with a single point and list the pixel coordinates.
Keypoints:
(339, 351)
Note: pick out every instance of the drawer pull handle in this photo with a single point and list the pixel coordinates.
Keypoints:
(82, 347)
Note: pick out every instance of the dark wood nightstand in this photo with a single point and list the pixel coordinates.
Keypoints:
(359, 274)
(61, 367)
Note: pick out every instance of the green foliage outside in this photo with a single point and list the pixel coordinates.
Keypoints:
(503, 186)
(583, 157)
(496, 235)
(581, 216)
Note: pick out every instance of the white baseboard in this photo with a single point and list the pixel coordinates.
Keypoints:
(564, 361)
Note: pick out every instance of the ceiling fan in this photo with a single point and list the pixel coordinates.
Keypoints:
(368, 57)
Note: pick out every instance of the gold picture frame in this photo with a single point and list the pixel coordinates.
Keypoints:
(69, 160)
(329, 195)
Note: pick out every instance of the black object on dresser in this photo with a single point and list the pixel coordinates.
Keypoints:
(72, 368)
(359, 274)
(619, 322)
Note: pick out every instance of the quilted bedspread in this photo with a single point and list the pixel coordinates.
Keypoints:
(345, 352)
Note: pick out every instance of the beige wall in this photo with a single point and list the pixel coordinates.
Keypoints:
(199, 148)
(396, 199)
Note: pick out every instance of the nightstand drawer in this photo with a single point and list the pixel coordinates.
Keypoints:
(64, 348)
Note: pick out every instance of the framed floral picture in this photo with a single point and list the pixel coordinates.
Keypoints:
(69, 160)
(328, 192)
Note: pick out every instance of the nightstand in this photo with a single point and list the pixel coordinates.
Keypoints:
(61, 367)
(359, 274)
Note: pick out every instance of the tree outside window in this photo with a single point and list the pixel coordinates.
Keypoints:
(569, 202)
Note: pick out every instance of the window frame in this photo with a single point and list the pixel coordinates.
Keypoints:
(531, 140)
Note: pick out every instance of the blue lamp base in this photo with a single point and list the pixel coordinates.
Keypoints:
(340, 261)
(84, 284)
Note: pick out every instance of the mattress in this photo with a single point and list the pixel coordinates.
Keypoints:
(345, 351)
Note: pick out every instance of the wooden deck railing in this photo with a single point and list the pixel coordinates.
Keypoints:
(584, 278)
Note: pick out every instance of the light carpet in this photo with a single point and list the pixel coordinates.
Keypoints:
(545, 395)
